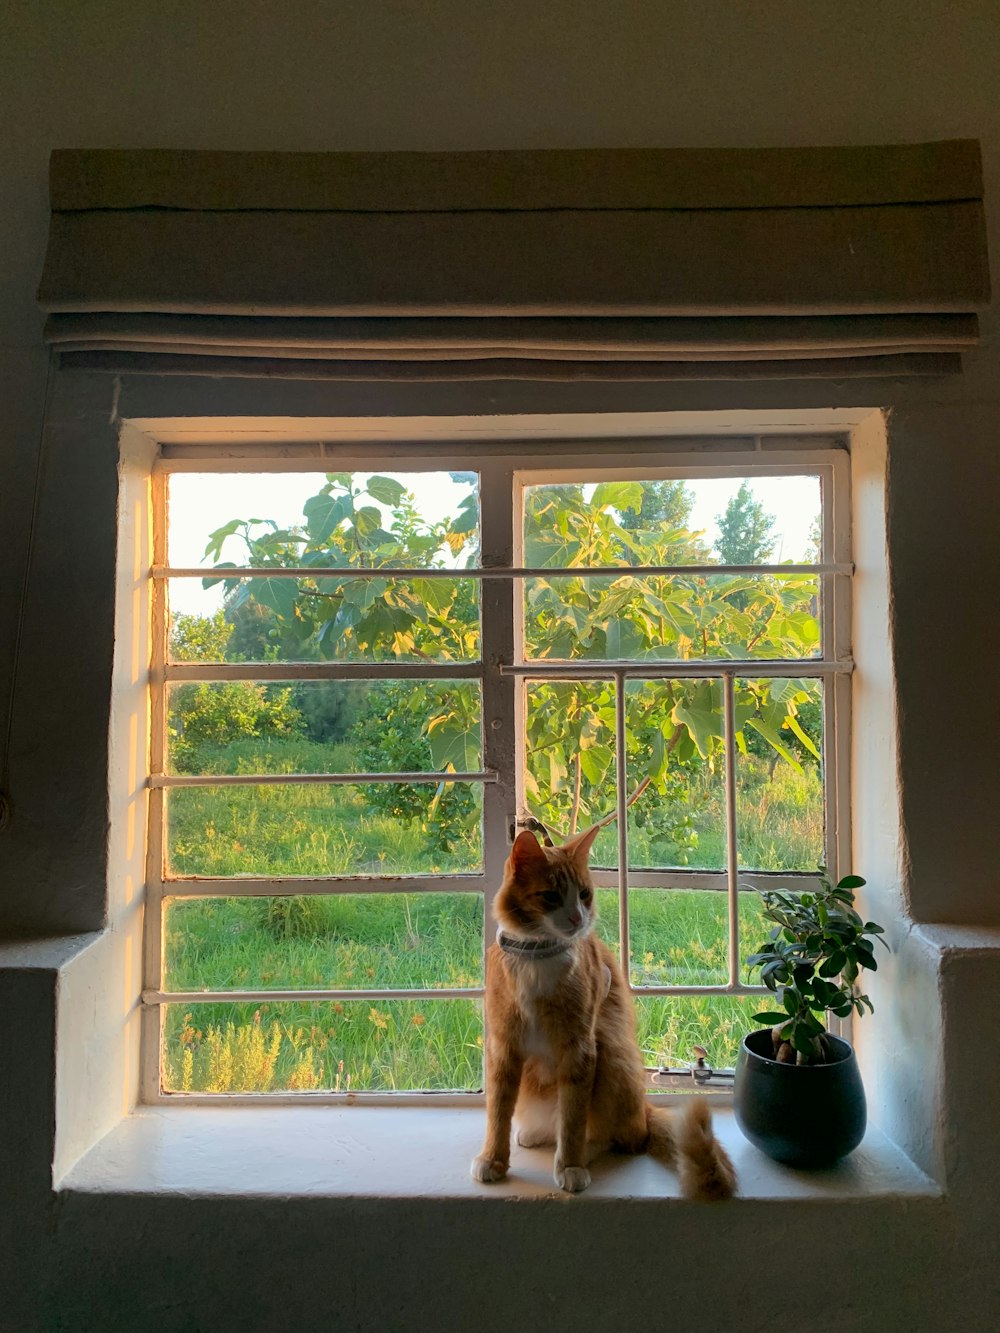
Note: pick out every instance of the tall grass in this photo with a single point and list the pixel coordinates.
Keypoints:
(419, 941)
(300, 830)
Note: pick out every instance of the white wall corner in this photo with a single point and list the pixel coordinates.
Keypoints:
(899, 1046)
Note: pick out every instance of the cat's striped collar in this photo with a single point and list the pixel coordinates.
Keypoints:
(537, 950)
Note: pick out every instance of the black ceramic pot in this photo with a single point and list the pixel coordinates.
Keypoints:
(802, 1115)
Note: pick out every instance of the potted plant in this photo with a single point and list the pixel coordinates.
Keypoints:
(798, 1094)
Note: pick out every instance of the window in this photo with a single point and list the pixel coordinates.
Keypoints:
(367, 671)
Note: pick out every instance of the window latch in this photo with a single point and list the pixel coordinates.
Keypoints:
(700, 1074)
(530, 823)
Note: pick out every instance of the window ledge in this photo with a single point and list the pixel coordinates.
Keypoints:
(407, 1153)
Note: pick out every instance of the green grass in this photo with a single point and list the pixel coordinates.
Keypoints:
(357, 1045)
(302, 830)
(421, 941)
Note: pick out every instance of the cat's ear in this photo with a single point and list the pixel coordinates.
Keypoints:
(579, 847)
(526, 855)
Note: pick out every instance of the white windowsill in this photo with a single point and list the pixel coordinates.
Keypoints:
(397, 1152)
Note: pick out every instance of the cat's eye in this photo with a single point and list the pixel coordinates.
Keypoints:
(585, 895)
(551, 898)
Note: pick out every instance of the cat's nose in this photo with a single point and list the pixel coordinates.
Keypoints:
(575, 919)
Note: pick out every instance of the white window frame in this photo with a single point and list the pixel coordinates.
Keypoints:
(505, 468)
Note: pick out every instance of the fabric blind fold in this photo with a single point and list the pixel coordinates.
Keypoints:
(592, 264)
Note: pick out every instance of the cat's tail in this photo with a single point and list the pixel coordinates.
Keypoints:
(688, 1143)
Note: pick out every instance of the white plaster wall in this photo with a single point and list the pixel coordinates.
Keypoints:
(449, 74)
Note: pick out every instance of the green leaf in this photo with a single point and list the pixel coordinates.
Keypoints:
(367, 521)
(618, 495)
(834, 965)
(595, 762)
(803, 1040)
(279, 594)
(623, 639)
(364, 593)
(456, 745)
(436, 593)
(770, 1018)
(323, 513)
(774, 740)
(216, 538)
(658, 755)
(851, 882)
(385, 490)
(701, 713)
(467, 518)
(211, 582)
(793, 725)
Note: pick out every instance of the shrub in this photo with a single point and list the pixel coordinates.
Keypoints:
(389, 734)
(218, 713)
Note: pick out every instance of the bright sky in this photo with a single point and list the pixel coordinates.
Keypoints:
(201, 502)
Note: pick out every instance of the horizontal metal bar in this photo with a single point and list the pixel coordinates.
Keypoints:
(489, 571)
(752, 668)
(639, 991)
(290, 887)
(669, 878)
(665, 669)
(178, 671)
(309, 779)
(317, 995)
(680, 881)
(322, 1097)
(155, 997)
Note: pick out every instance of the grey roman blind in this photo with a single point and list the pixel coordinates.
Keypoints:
(582, 264)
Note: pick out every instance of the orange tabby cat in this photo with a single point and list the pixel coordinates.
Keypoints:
(562, 1059)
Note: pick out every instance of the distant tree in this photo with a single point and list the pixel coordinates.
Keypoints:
(745, 530)
(665, 504)
(814, 550)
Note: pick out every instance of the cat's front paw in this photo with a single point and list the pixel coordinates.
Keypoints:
(487, 1170)
(572, 1179)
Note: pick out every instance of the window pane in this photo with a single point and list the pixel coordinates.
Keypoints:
(324, 726)
(371, 941)
(324, 620)
(680, 937)
(355, 1046)
(340, 829)
(779, 774)
(608, 617)
(674, 731)
(411, 520)
(695, 520)
(419, 519)
(570, 780)
(670, 1026)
